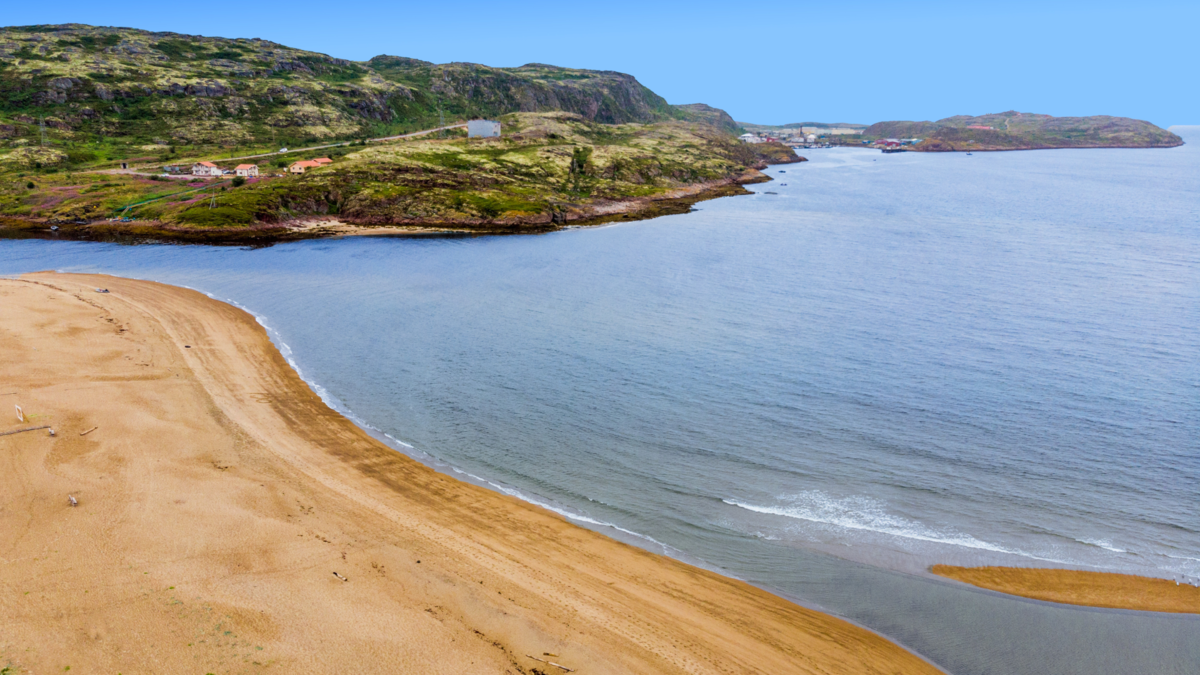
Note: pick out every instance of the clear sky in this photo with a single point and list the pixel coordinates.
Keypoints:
(769, 63)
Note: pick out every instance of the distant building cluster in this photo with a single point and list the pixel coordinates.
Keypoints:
(247, 170)
(830, 131)
(893, 142)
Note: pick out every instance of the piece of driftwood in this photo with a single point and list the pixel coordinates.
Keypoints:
(569, 670)
(85, 433)
(20, 431)
(340, 576)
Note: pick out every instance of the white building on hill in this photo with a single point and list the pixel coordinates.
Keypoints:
(483, 129)
(205, 169)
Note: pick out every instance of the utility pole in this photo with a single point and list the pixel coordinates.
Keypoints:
(441, 119)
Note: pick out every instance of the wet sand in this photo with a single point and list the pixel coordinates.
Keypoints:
(1074, 587)
(217, 495)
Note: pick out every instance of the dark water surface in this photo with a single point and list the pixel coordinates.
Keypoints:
(895, 360)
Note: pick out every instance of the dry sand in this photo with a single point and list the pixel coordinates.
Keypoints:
(1073, 587)
(218, 495)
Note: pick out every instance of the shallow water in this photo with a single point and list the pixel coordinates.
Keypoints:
(895, 360)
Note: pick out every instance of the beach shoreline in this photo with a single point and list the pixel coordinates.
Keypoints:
(218, 494)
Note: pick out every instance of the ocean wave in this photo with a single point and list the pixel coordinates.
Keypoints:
(866, 514)
(1102, 543)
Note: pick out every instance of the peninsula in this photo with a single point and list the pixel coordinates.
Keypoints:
(199, 509)
(100, 129)
(1023, 131)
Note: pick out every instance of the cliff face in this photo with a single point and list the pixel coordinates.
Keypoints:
(471, 89)
(1025, 131)
(165, 89)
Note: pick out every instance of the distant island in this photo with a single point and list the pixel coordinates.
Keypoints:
(101, 128)
(1022, 131)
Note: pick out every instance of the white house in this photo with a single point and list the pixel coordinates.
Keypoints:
(750, 138)
(811, 138)
(205, 169)
(247, 170)
(483, 129)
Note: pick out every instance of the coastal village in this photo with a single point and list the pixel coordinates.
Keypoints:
(812, 137)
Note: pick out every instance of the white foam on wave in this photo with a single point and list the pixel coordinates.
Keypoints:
(866, 514)
(1102, 543)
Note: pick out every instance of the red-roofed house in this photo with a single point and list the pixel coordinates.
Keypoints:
(205, 169)
(323, 161)
(247, 170)
(303, 165)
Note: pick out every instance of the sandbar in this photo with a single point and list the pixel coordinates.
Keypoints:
(1076, 587)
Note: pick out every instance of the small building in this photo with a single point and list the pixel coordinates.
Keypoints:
(303, 165)
(205, 169)
(322, 161)
(246, 170)
(483, 129)
(811, 138)
(750, 138)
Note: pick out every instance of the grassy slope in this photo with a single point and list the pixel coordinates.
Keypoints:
(111, 93)
(549, 168)
(77, 99)
(1019, 131)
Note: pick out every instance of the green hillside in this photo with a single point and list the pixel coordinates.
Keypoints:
(112, 93)
(547, 171)
(1026, 131)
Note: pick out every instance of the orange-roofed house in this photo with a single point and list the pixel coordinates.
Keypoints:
(205, 169)
(246, 170)
(303, 165)
(323, 161)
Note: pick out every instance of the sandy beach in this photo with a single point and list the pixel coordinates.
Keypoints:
(218, 496)
(1075, 587)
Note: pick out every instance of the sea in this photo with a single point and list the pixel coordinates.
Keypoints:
(872, 364)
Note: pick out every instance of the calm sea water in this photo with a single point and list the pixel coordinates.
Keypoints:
(874, 364)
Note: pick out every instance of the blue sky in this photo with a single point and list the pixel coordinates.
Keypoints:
(762, 62)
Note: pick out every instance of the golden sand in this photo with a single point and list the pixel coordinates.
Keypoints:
(1073, 587)
(217, 496)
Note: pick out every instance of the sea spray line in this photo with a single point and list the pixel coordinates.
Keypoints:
(1102, 543)
(869, 517)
